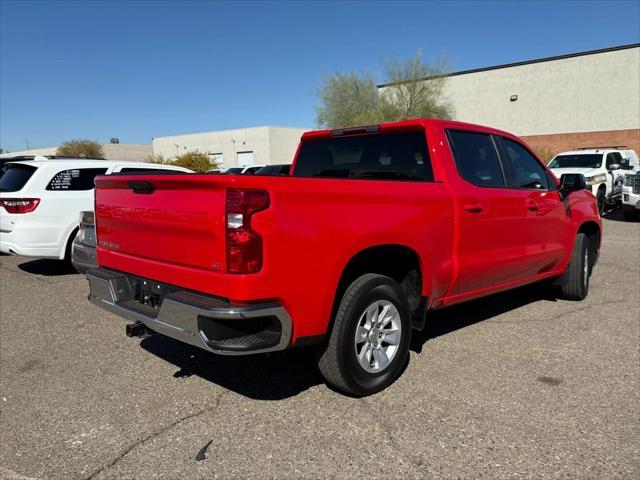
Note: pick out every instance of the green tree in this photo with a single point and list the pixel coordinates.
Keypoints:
(348, 99)
(413, 89)
(81, 148)
(157, 159)
(197, 161)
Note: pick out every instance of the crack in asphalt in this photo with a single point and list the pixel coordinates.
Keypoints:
(416, 464)
(155, 434)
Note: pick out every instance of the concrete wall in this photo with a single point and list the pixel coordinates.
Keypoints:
(268, 144)
(589, 93)
(283, 143)
(113, 151)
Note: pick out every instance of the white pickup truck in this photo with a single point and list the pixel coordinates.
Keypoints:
(603, 168)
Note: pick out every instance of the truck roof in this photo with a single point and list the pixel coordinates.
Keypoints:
(423, 122)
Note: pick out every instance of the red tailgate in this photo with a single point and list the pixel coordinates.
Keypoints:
(172, 219)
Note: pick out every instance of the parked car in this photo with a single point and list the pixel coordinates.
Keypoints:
(631, 195)
(375, 226)
(242, 170)
(274, 170)
(603, 169)
(216, 170)
(40, 201)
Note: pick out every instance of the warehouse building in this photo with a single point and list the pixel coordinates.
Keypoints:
(557, 103)
(233, 148)
(112, 151)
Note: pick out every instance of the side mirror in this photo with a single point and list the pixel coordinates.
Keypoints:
(614, 166)
(572, 182)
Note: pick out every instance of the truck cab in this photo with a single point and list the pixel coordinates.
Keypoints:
(603, 169)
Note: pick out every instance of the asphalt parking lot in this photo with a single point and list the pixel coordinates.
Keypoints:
(518, 385)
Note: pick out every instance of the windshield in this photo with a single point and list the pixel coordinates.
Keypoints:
(388, 156)
(15, 177)
(587, 160)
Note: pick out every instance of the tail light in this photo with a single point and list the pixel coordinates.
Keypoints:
(244, 245)
(19, 205)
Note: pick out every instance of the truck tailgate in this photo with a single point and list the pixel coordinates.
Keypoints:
(172, 219)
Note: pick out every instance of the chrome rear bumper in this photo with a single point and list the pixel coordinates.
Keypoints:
(205, 321)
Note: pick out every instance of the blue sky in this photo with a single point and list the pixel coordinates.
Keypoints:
(141, 69)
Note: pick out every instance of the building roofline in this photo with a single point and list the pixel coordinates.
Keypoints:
(227, 130)
(528, 62)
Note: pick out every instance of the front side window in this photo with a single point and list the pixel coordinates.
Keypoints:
(382, 156)
(476, 158)
(15, 176)
(75, 179)
(613, 158)
(524, 171)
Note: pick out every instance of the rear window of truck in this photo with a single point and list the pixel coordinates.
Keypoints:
(384, 156)
(15, 177)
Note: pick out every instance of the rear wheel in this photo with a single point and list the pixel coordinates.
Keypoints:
(369, 341)
(578, 270)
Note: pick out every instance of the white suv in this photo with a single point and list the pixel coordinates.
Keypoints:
(603, 169)
(40, 201)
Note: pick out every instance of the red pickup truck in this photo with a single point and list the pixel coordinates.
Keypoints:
(374, 227)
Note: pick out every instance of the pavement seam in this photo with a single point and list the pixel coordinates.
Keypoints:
(155, 434)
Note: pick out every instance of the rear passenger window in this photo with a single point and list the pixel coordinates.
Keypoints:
(476, 158)
(383, 156)
(524, 171)
(75, 179)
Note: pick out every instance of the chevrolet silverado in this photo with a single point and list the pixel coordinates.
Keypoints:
(374, 227)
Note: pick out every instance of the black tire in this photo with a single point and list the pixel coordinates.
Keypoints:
(337, 359)
(67, 249)
(600, 200)
(577, 284)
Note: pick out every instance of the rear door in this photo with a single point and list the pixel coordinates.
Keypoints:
(490, 245)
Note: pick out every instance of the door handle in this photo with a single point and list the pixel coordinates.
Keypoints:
(531, 205)
(473, 207)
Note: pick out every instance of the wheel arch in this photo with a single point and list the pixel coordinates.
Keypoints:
(396, 261)
(594, 234)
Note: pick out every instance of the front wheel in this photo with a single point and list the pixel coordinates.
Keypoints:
(578, 270)
(369, 342)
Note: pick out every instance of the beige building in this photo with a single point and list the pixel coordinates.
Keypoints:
(231, 148)
(557, 103)
(112, 151)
